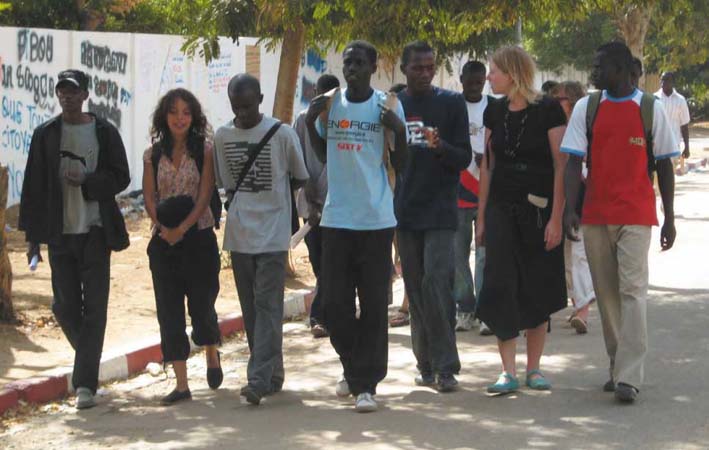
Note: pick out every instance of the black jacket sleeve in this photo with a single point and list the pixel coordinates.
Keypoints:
(114, 177)
(32, 202)
(457, 154)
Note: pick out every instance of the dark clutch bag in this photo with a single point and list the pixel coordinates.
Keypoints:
(173, 210)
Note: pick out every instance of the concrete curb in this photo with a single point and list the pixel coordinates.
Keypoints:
(123, 362)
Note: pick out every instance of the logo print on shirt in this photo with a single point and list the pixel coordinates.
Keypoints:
(416, 135)
(259, 177)
(639, 141)
(359, 125)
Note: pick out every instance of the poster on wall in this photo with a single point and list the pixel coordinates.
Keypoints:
(30, 60)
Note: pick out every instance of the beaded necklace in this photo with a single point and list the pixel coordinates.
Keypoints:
(509, 151)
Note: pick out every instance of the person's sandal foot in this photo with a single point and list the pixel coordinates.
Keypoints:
(579, 325)
(609, 386)
(625, 393)
(505, 384)
(399, 319)
(536, 380)
(215, 375)
(176, 396)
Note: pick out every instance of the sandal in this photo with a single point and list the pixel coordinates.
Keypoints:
(399, 319)
(579, 325)
(505, 384)
(538, 383)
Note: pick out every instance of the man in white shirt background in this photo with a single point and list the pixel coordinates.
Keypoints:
(677, 111)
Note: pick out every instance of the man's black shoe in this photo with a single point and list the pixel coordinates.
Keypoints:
(625, 393)
(446, 383)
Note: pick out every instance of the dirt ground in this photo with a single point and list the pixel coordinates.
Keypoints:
(36, 342)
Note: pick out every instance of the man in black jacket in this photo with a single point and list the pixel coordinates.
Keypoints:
(76, 166)
(427, 213)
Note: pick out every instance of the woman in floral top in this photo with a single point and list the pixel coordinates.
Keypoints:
(184, 258)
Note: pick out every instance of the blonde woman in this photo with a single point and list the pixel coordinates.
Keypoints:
(578, 274)
(520, 216)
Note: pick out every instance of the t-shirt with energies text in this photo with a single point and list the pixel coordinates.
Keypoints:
(359, 196)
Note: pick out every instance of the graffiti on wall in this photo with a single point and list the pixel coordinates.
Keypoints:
(109, 94)
(311, 67)
(27, 98)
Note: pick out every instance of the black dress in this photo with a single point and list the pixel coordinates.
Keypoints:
(523, 284)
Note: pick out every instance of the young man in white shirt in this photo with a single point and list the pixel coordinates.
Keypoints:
(677, 111)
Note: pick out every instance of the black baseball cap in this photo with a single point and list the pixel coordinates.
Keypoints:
(74, 77)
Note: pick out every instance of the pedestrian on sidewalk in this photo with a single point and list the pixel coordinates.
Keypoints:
(578, 276)
(358, 219)
(427, 214)
(309, 202)
(677, 112)
(178, 184)
(258, 161)
(519, 216)
(619, 204)
(75, 167)
(466, 287)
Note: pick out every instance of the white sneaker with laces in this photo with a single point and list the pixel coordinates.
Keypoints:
(342, 388)
(84, 398)
(365, 403)
(484, 329)
(464, 321)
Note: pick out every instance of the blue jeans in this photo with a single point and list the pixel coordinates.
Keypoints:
(463, 286)
(427, 265)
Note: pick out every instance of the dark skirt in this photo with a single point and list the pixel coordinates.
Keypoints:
(523, 283)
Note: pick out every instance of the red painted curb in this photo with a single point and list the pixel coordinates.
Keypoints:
(138, 359)
(8, 399)
(40, 389)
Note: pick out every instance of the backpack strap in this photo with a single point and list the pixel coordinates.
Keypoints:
(391, 102)
(594, 100)
(647, 113)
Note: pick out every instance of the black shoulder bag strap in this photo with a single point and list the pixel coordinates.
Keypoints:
(253, 153)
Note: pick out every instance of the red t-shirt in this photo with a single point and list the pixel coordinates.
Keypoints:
(618, 188)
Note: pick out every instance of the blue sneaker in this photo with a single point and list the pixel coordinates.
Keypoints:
(505, 384)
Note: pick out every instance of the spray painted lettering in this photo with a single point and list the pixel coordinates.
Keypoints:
(33, 47)
(103, 58)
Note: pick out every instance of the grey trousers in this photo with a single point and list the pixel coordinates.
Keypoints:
(260, 283)
(427, 264)
(617, 256)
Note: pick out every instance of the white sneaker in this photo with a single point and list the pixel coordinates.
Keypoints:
(84, 398)
(484, 329)
(464, 321)
(342, 388)
(365, 403)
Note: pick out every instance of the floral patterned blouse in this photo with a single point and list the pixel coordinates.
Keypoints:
(180, 181)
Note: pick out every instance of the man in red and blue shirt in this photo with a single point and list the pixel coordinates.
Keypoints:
(619, 208)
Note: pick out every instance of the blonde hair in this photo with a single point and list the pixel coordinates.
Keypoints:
(517, 63)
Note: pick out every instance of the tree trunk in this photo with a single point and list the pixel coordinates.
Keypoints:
(291, 54)
(7, 312)
(633, 22)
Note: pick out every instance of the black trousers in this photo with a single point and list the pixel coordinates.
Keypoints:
(190, 268)
(313, 240)
(358, 262)
(80, 266)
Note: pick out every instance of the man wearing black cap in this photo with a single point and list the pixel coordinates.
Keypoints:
(75, 167)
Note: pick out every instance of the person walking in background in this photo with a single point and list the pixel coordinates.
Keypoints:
(309, 202)
(677, 111)
(427, 214)
(258, 160)
(178, 184)
(619, 204)
(578, 276)
(358, 219)
(75, 167)
(465, 287)
(519, 216)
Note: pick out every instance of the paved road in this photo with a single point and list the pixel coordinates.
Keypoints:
(672, 412)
